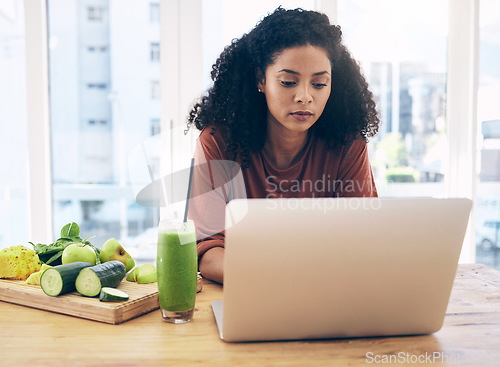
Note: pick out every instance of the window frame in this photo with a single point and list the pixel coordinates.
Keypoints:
(461, 111)
(39, 176)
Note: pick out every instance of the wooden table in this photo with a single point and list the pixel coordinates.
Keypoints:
(470, 337)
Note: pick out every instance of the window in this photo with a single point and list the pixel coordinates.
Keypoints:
(96, 86)
(96, 124)
(154, 12)
(154, 52)
(155, 127)
(488, 129)
(95, 13)
(407, 75)
(100, 49)
(89, 178)
(155, 89)
(13, 140)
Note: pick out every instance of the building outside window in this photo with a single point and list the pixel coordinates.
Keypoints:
(91, 180)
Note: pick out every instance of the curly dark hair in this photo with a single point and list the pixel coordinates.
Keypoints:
(234, 102)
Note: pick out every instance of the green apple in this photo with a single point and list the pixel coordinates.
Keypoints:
(147, 278)
(145, 273)
(132, 276)
(112, 250)
(78, 252)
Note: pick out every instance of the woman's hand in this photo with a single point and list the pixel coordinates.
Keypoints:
(212, 264)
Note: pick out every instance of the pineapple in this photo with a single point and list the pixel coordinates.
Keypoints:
(18, 262)
(34, 278)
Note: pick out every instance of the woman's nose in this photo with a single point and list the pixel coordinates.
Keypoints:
(303, 95)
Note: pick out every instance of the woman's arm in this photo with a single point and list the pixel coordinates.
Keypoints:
(206, 209)
(212, 264)
(355, 172)
(216, 181)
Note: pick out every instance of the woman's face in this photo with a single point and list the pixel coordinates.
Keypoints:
(297, 87)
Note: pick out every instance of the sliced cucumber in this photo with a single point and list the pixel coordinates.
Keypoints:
(91, 280)
(60, 279)
(109, 294)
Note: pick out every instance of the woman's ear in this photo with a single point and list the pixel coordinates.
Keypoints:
(261, 80)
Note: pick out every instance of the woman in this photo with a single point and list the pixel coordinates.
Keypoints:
(289, 105)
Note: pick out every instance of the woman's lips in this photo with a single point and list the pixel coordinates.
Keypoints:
(302, 115)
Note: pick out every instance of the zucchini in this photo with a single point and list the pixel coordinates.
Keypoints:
(60, 279)
(91, 280)
(109, 294)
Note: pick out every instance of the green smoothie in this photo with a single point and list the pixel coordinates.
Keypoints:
(177, 266)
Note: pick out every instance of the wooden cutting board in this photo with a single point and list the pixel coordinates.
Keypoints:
(143, 299)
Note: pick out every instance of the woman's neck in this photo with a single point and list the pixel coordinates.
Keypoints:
(284, 149)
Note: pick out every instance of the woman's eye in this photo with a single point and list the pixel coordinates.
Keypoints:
(287, 84)
(319, 85)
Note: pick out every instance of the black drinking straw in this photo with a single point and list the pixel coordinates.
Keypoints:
(189, 190)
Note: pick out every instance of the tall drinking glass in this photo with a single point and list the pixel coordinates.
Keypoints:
(177, 267)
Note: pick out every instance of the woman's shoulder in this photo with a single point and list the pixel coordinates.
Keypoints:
(213, 140)
(356, 144)
(211, 134)
(356, 147)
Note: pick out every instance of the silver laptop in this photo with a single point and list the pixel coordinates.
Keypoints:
(299, 269)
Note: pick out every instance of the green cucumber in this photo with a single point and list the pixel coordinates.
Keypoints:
(109, 294)
(61, 278)
(91, 280)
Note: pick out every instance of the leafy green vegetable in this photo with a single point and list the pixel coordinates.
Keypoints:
(51, 254)
(70, 230)
(56, 259)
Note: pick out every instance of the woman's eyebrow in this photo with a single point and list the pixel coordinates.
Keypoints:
(297, 73)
